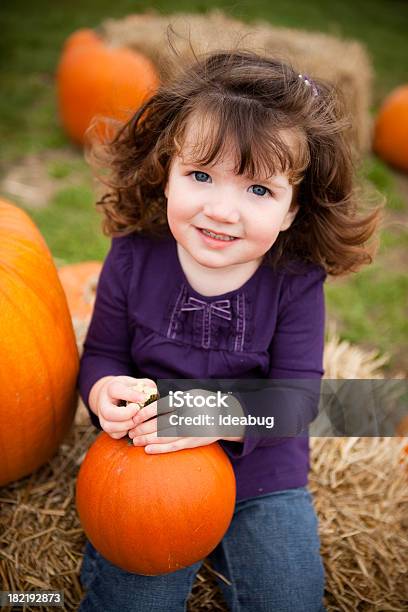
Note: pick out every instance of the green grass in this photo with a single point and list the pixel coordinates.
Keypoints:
(379, 174)
(71, 226)
(370, 306)
(61, 169)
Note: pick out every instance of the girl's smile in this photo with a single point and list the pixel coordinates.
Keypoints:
(216, 240)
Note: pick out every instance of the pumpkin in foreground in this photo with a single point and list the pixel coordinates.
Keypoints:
(38, 353)
(154, 514)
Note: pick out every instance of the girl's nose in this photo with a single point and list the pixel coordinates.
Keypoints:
(223, 211)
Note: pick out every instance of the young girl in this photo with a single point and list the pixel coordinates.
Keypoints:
(231, 198)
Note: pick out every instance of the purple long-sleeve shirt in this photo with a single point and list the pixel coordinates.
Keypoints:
(275, 330)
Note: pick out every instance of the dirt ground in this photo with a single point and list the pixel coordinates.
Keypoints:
(35, 179)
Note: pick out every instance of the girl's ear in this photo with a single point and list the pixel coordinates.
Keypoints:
(289, 217)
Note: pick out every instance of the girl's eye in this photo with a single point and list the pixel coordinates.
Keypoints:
(260, 190)
(201, 177)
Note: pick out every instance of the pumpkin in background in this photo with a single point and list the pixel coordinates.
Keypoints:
(93, 79)
(154, 514)
(79, 281)
(38, 354)
(391, 129)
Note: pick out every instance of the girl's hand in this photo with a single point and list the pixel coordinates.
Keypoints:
(149, 425)
(145, 433)
(117, 419)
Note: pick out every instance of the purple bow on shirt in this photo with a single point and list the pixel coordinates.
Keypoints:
(218, 308)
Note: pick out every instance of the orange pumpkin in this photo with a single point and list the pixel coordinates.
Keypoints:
(93, 79)
(391, 129)
(79, 282)
(154, 514)
(38, 354)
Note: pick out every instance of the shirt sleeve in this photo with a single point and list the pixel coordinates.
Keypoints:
(292, 390)
(106, 350)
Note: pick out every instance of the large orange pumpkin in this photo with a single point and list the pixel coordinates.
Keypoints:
(391, 129)
(93, 79)
(154, 514)
(38, 354)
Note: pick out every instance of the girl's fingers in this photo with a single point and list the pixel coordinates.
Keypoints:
(144, 428)
(118, 435)
(145, 413)
(112, 412)
(113, 427)
(117, 390)
(150, 428)
(174, 444)
(152, 438)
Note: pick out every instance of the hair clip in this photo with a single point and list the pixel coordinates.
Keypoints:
(308, 81)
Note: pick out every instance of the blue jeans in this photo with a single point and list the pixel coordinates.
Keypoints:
(270, 554)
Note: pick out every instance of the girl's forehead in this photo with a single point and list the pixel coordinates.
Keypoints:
(201, 141)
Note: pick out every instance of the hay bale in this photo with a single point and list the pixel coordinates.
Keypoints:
(360, 490)
(343, 360)
(345, 62)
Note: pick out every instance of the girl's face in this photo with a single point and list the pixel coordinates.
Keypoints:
(215, 199)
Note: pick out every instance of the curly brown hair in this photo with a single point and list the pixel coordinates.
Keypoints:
(248, 100)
